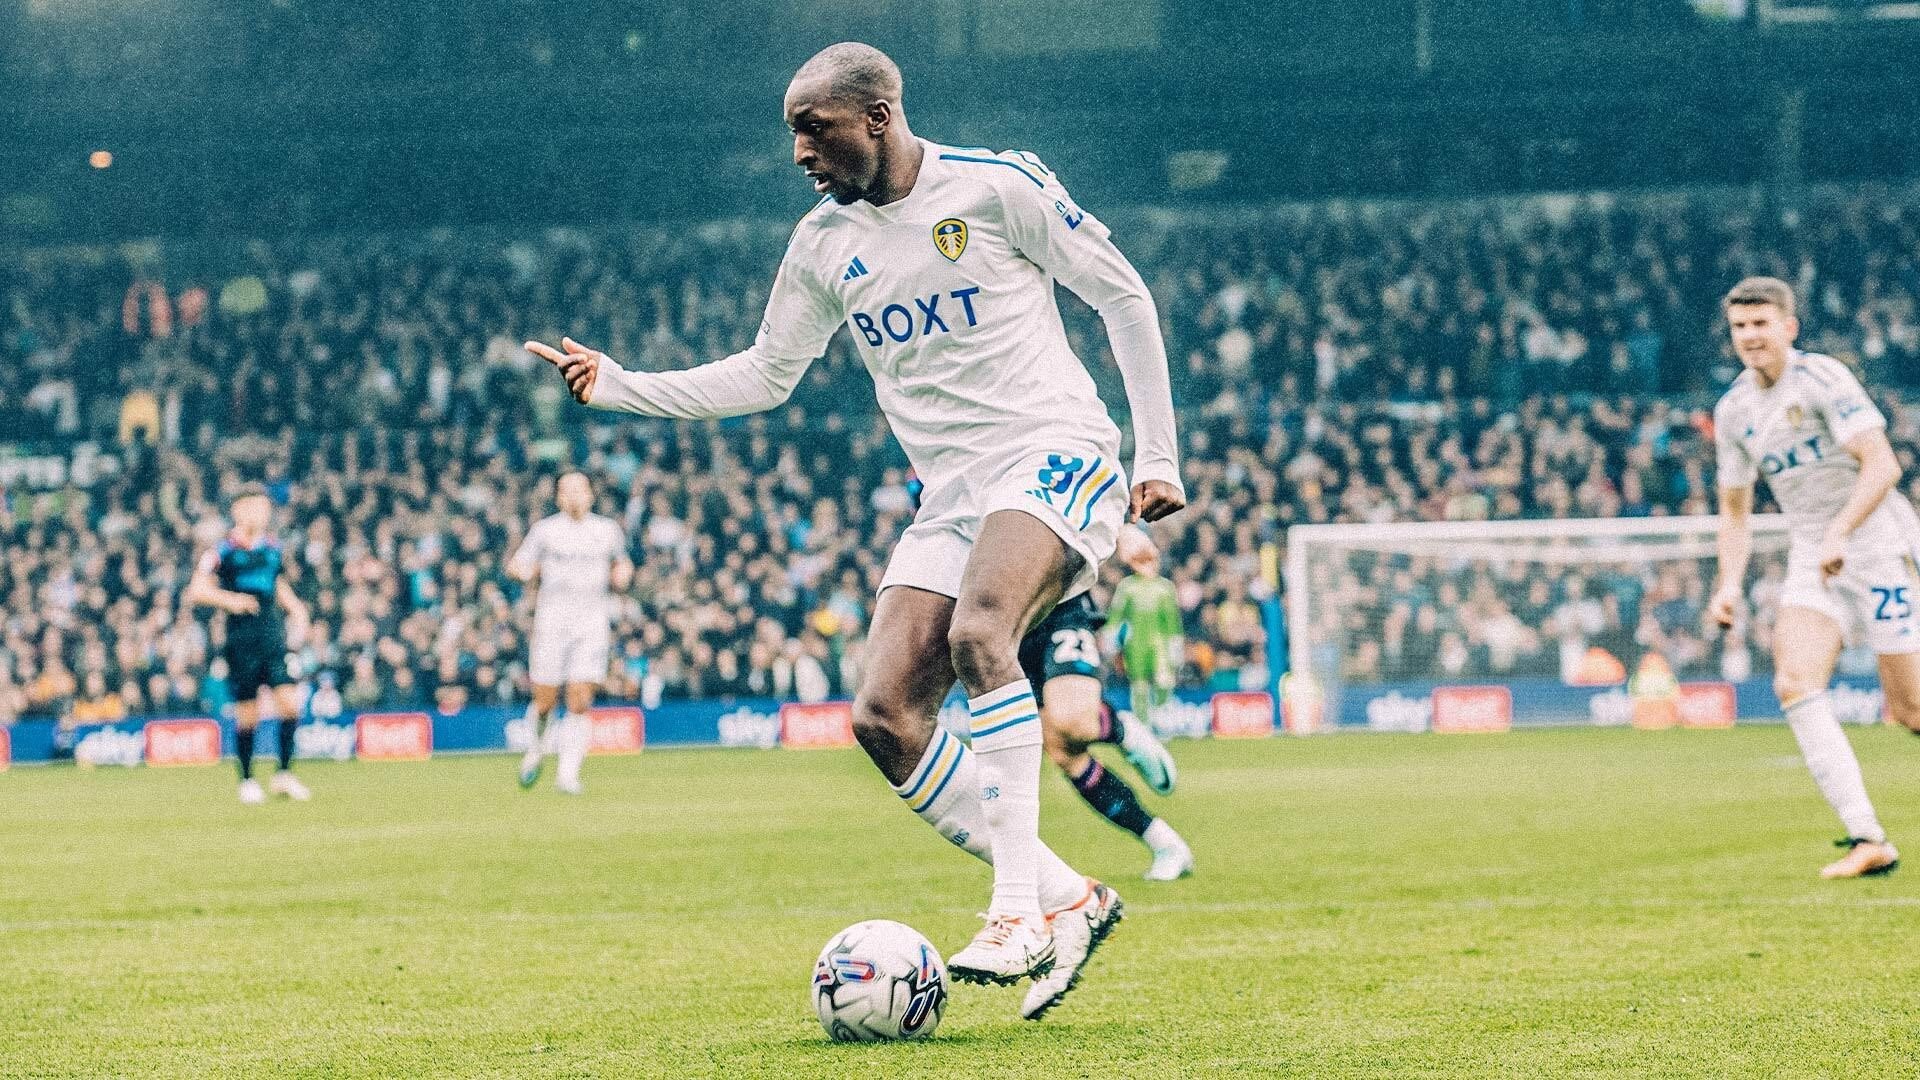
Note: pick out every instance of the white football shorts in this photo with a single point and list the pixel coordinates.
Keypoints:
(1875, 598)
(561, 653)
(1078, 490)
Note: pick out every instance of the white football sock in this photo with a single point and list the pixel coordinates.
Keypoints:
(944, 790)
(576, 734)
(1830, 758)
(1006, 738)
(1160, 835)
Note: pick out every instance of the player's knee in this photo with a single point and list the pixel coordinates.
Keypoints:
(983, 646)
(883, 725)
(1903, 706)
(1060, 750)
(1073, 729)
(1791, 686)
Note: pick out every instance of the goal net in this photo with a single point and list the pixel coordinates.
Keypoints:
(1379, 615)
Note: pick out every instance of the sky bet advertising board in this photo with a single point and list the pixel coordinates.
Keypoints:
(1445, 709)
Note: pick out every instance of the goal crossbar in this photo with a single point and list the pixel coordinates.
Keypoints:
(1690, 536)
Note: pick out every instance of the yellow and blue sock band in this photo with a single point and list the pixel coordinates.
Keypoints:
(942, 761)
(999, 714)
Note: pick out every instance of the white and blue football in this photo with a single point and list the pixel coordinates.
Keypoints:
(878, 981)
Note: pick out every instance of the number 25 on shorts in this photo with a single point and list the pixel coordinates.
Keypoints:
(1892, 604)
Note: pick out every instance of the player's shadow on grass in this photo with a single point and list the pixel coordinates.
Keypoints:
(1048, 1030)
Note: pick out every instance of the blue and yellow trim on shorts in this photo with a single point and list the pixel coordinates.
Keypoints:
(1097, 479)
(1083, 490)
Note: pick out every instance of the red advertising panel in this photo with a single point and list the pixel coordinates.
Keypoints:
(1707, 705)
(816, 726)
(617, 729)
(406, 736)
(1242, 715)
(182, 742)
(6, 749)
(1460, 709)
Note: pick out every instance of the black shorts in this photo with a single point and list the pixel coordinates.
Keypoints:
(256, 661)
(1065, 643)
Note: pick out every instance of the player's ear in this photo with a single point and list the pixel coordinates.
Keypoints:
(879, 118)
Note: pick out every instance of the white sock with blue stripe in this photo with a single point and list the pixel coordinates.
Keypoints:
(1006, 739)
(944, 790)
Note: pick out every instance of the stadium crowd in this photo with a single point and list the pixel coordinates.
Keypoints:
(1398, 362)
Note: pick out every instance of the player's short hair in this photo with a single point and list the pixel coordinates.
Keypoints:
(1760, 290)
(249, 491)
(855, 72)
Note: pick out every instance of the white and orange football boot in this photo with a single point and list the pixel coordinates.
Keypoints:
(1006, 950)
(1864, 858)
(1078, 932)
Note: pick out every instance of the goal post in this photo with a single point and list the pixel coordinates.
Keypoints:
(1389, 626)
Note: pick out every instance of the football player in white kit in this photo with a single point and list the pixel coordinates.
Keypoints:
(1803, 422)
(577, 556)
(941, 262)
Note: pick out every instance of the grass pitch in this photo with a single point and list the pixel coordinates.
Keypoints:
(1562, 903)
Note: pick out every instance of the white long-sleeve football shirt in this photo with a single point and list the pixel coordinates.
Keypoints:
(949, 297)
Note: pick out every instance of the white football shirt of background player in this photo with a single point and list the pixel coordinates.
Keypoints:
(572, 608)
(1794, 433)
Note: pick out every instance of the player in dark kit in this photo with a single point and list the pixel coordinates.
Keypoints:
(241, 576)
(1061, 657)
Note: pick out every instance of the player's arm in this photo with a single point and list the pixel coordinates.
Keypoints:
(203, 589)
(1879, 472)
(290, 601)
(524, 566)
(1172, 632)
(800, 318)
(1167, 608)
(1735, 474)
(1075, 247)
(622, 573)
(1861, 430)
(1119, 613)
(1735, 548)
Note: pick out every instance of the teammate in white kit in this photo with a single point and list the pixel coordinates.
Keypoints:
(1803, 421)
(941, 262)
(577, 556)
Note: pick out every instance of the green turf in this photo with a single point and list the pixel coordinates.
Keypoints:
(1544, 904)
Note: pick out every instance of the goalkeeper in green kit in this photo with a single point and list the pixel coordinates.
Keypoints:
(1145, 617)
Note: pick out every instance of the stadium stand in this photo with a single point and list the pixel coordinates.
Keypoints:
(1537, 357)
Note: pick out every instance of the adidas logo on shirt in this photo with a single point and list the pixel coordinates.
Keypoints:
(855, 269)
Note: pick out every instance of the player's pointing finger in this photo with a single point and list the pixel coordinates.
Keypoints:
(546, 352)
(573, 346)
